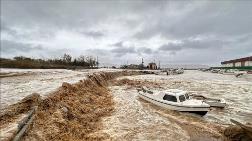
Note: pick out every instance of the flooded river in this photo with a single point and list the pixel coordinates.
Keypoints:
(18, 83)
(136, 119)
(236, 91)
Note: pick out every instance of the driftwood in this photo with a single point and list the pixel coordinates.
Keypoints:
(24, 124)
(239, 74)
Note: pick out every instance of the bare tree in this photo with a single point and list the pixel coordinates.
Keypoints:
(67, 58)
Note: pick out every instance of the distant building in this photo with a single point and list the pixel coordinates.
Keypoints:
(141, 66)
(241, 62)
(133, 66)
(152, 66)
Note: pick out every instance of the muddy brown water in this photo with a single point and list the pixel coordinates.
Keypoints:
(236, 91)
(136, 119)
(42, 81)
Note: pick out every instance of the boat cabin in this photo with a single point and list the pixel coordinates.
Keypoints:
(175, 95)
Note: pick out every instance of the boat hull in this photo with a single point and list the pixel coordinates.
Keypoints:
(197, 110)
(202, 113)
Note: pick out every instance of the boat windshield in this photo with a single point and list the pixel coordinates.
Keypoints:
(187, 96)
(182, 98)
(170, 98)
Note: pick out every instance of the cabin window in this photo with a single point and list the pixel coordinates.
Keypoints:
(182, 98)
(170, 98)
(187, 96)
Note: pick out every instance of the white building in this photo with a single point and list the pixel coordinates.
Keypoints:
(241, 62)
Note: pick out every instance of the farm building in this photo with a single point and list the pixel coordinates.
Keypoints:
(241, 62)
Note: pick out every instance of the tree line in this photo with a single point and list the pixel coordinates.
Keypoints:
(66, 61)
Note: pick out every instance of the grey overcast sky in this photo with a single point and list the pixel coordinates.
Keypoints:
(120, 31)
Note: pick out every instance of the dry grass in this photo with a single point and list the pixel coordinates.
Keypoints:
(12, 112)
(72, 112)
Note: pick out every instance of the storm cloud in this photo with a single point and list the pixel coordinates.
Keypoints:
(121, 51)
(194, 44)
(11, 47)
(195, 32)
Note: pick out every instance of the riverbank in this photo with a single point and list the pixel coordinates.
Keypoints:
(64, 62)
(62, 114)
(43, 81)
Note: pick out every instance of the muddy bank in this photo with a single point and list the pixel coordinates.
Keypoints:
(70, 113)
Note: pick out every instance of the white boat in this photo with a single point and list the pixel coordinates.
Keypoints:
(175, 100)
(220, 103)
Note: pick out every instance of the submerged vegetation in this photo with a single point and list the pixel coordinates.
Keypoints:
(64, 62)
